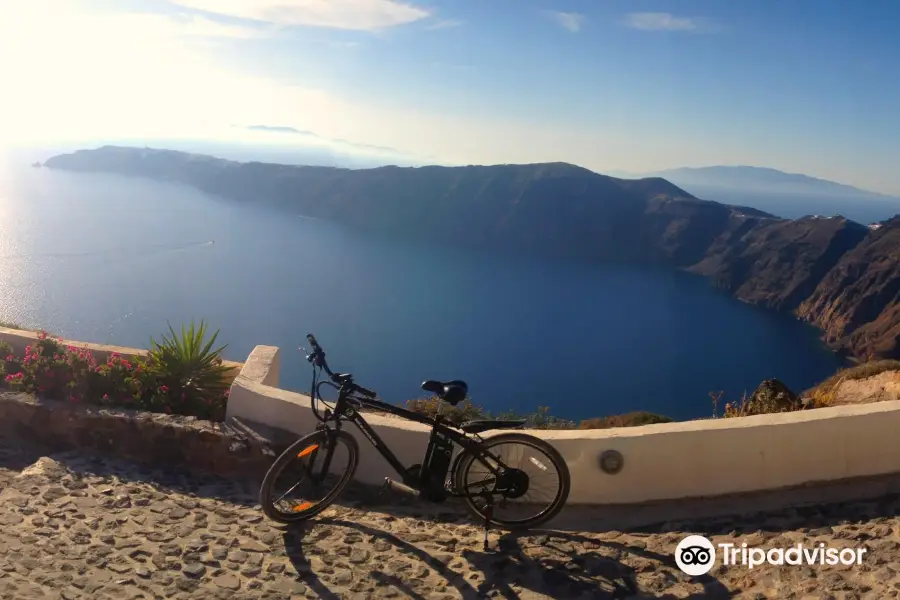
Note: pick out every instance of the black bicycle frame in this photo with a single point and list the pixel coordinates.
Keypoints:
(347, 408)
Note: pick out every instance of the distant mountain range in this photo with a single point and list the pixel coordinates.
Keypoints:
(789, 195)
(840, 275)
(760, 179)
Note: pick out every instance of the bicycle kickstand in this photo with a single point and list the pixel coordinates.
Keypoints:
(488, 515)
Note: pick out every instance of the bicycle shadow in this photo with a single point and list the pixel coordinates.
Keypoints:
(294, 536)
(574, 565)
(559, 568)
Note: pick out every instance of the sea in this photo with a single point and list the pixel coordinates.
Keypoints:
(112, 259)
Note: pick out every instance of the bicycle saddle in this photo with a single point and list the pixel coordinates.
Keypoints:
(451, 392)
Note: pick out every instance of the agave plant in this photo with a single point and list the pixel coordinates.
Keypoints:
(189, 369)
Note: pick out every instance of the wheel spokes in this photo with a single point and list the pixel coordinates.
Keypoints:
(303, 468)
(527, 482)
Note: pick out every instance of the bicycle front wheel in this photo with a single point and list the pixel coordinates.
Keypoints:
(309, 476)
(532, 490)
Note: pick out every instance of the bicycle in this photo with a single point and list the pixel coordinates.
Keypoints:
(439, 477)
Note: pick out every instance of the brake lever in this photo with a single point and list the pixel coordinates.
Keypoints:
(309, 355)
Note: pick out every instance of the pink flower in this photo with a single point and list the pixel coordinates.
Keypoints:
(10, 358)
(106, 396)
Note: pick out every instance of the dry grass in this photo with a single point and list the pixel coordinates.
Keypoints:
(825, 394)
(632, 419)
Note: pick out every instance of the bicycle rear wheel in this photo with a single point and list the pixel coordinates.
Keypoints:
(313, 470)
(535, 468)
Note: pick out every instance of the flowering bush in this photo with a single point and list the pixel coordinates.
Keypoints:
(53, 370)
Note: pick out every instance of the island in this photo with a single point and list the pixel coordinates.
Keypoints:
(840, 276)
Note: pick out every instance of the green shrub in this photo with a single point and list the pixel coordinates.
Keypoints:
(189, 368)
(541, 419)
(462, 412)
(467, 411)
(10, 325)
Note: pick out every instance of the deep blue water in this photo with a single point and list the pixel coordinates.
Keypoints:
(110, 259)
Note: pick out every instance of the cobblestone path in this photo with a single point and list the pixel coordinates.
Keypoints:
(76, 527)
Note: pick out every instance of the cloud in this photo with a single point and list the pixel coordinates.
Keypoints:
(196, 26)
(359, 15)
(570, 21)
(445, 24)
(309, 135)
(276, 129)
(660, 21)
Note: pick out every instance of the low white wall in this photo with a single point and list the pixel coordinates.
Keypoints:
(661, 462)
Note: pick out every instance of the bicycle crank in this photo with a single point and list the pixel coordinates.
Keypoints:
(400, 487)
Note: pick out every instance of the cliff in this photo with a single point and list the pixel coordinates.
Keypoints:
(839, 275)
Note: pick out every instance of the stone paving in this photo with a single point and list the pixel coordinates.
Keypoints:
(78, 527)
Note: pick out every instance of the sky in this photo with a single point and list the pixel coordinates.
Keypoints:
(803, 86)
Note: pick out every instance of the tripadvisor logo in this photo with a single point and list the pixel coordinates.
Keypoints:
(696, 555)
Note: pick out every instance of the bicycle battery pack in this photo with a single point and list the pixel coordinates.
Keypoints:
(435, 467)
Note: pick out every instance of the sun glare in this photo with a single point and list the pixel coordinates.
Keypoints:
(79, 76)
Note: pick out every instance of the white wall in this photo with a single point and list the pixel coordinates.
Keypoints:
(666, 461)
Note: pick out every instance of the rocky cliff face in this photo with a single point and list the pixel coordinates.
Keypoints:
(839, 275)
(857, 303)
(778, 263)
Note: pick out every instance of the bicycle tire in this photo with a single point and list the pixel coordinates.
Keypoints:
(290, 454)
(467, 458)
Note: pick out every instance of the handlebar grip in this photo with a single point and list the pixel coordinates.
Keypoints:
(365, 392)
(312, 341)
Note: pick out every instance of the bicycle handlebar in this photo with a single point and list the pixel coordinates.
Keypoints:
(317, 357)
